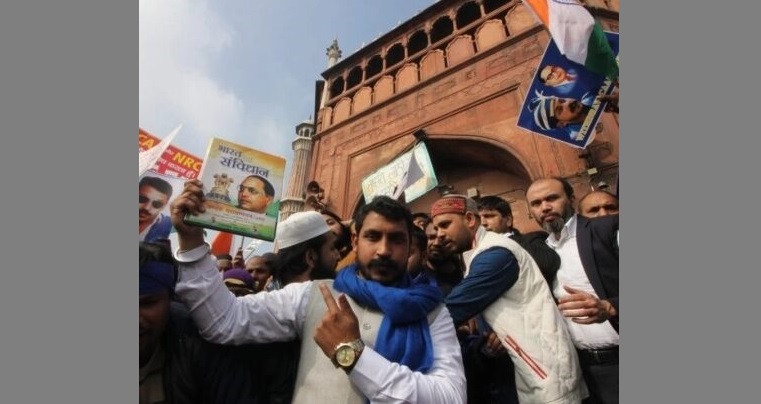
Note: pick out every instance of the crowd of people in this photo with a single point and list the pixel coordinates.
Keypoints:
(451, 305)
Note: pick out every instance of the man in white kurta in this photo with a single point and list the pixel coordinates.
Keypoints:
(307, 311)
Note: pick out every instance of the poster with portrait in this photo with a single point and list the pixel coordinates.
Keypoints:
(160, 184)
(562, 102)
(243, 188)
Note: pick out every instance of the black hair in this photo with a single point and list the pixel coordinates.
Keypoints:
(157, 183)
(343, 241)
(388, 208)
(291, 261)
(269, 190)
(224, 257)
(269, 259)
(421, 214)
(495, 203)
(419, 237)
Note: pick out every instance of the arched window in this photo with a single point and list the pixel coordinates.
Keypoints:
(337, 87)
(394, 55)
(442, 28)
(354, 78)
(418, 42)
(468, 13)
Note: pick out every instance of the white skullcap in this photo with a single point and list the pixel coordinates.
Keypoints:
(300, 227)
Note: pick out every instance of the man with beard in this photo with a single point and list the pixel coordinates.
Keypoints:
(497, 216)
(586, 284)
(154, 195)
(306, 251)
(441, 263)
(405, 350)
(504, 284)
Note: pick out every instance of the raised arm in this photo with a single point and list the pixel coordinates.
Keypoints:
(220, 316)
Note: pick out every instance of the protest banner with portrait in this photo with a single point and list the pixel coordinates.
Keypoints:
(562, 102)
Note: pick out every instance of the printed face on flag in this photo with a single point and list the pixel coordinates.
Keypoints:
(562, 102)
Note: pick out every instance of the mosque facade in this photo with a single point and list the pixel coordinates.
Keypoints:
(454, 77)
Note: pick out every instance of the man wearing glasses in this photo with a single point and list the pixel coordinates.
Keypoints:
(255, 193)
(154, 195)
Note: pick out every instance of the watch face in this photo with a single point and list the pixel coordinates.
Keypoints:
(345, 355)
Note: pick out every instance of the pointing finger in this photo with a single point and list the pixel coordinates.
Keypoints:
(330, 302)
(343, 304)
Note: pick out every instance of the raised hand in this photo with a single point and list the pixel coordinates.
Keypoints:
(189, 201)
(339, 324)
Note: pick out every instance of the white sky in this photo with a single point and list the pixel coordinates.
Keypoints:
(245, 70)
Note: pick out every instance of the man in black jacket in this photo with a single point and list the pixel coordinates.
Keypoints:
(176, 365)
(497, 216)
(586, 285)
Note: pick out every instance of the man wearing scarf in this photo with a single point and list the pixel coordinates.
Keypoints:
(504, 284)
(372, 335)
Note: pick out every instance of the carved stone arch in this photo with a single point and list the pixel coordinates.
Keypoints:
(362, 99)
(460, 49)
(342, 110)
(490, 33)
(519, 19)
(383, 89)
(327, 117)
(407, 76)
(432, 64)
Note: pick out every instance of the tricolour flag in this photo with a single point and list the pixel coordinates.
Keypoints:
(578, 36)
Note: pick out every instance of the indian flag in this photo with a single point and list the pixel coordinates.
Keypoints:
(578, 36)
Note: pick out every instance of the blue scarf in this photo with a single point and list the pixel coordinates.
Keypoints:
(404, 336)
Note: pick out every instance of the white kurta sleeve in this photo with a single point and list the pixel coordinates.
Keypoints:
(383, 381)
(224, 319)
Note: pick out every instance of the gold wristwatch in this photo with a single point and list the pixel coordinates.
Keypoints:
(347, 354)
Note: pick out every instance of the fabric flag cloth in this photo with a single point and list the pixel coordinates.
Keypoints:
(578, 36)
(222, 243)
(148, 158)
(410, 177)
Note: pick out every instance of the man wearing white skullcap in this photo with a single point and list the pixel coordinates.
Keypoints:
(306, 249)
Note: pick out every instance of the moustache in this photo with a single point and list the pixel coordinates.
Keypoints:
(381, 263)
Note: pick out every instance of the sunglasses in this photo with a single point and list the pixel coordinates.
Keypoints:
(154, 204)
(251, 190)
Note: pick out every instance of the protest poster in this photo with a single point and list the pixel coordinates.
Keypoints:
(562, 102)
(161, 183)
(410, 174)
(173, 161)
(244, 190)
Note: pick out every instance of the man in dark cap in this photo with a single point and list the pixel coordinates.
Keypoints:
(176, 366)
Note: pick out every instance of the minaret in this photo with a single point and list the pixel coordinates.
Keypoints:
(334, 54)
(293, 200)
